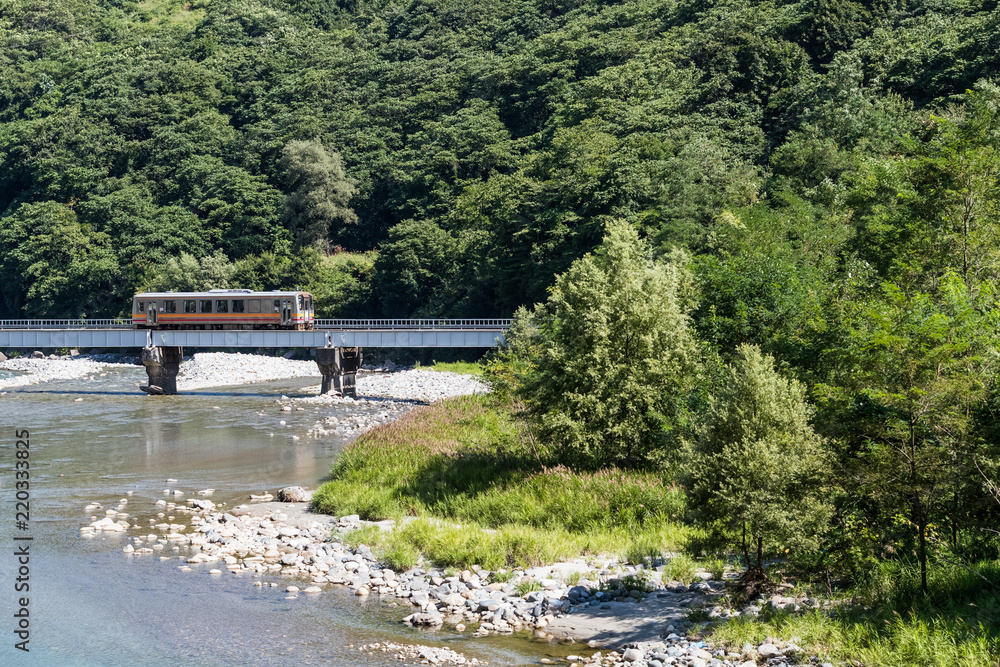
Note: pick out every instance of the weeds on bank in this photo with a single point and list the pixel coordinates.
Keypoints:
(460, 367)
(679, 568)
(957, 624)
(463, 461)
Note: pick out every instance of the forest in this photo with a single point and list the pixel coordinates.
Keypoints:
(777, 222)
(449, 158)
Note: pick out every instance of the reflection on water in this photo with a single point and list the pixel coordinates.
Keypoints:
(92, 605)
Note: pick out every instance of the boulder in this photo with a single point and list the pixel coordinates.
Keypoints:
(632, 655)
(768, 651)
(3, 357)
(430, 619)
(201, 504)
(293, 494)
(37, 355)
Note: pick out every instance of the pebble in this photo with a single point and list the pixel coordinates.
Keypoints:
(424, 654)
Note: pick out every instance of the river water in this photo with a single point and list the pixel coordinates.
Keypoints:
(90, 604)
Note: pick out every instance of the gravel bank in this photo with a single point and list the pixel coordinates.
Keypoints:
(63, 368)
(218, 369)
(602, 602)
(408, 385)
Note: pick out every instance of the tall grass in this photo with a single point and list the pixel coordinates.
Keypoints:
(460, 367)
(463, 461)
(893, 623)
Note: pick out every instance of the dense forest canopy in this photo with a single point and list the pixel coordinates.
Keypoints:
(481, 147)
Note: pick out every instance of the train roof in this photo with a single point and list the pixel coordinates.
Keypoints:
(231, 293)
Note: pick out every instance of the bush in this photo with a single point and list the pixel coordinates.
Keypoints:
(679, 568)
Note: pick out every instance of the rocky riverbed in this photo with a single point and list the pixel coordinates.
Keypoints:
(57, 368)
(218, 369)
(598, 602)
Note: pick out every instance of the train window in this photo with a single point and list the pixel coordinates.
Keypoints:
(299, 301)
(277, 305)
(254, 305)
(309, 303)
(170, 306)
(221, 306)
(239, 306)
(206, 306)
(190, 306)
(141, 308)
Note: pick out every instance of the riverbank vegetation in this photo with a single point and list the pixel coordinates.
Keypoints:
(467, 461)
(869, 481)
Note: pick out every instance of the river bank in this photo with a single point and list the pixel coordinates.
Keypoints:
(591, 600)
(603, 604)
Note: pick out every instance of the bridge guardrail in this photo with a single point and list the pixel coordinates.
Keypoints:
(114, 323)
(413, 324)
(388, 324)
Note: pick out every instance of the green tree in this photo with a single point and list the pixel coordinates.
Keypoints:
(189, 274)
(414, 268)
(52, 266)
(616, 355)
(319, 192)
(913, 369)
(759, 473)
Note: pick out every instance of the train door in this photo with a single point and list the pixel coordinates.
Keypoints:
(151, 313)
(286, 312)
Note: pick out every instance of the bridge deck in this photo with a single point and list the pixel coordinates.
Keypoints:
(329, 333)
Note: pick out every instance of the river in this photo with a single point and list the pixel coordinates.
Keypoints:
(90, 604)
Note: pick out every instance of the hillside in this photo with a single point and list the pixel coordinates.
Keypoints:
(480, 147)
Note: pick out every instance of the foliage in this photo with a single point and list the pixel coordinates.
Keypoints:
(759, 472)
(187, 274)
(679, 568)
(952, 626)
(916, 366)
(615, 351)
(318, 192)
(827, 170)
(462, 460)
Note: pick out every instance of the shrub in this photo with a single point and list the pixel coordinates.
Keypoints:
(679, 568)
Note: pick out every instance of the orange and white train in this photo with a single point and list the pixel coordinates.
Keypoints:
(223, 309)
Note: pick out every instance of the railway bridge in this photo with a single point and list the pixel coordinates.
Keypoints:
(338, 343)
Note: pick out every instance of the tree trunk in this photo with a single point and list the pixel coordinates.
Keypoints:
(923, 555)
(746, 554)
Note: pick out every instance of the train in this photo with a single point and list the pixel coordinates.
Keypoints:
(223, 309)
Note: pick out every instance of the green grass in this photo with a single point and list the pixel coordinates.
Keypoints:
(461, 367)
(679, 568)
(462, 461)
(957, 624)
(716, 567)
(186, 13)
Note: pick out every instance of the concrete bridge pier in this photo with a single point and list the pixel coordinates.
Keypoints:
(339, 367)
(162, 365)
